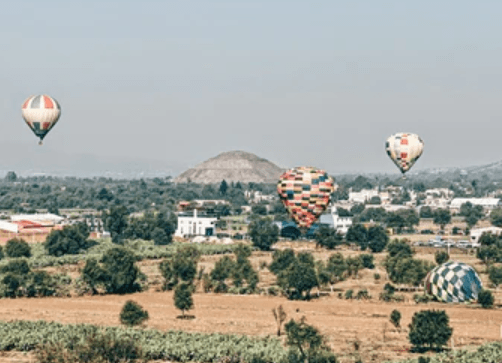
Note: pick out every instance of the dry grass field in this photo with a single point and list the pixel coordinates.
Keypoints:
(344, 322)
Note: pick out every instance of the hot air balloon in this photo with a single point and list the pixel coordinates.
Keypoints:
(305, 193)
(404, 149)
(41, 113)
(453, 282)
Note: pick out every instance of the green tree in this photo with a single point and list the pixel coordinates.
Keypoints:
(1, 253)
(263, 234)
(359, 234)
(397, 248)
(183, 298)
(441, 257)
(485, 298)
(223, 187)
(426, 212)
(181, 267)
(395, 318)
(306, 344)
(259, 209)
(327, 237)
(357, 209)
(121, 271)
(429, 329)
(377, 238)
(442, 217)
(160, 237)
(69, 240)
(375, 200)
(11, 176)
(133, 314)
(93, 275)
(17, 248)
(282, 260)
(302, 278)
(116, 222)
(496, 217)
(495, 275)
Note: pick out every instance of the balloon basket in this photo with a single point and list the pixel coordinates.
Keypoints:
(40, 143)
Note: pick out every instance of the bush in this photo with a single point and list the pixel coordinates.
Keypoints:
(395, 318)
(429, 329)
(133, 314)
(363, 295)
(376, 276)
(17, 248)
(1, 253)
(93, 274)
(441, 257)
(367, 261)
(348, 294)
(485, 298)
(495, 275)
(422, 298)
(390, 289)
(281, 260)
(96, 348)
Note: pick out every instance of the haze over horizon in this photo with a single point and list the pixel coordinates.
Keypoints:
(167, 85)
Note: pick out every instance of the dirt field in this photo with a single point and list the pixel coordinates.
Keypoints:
(342, 321)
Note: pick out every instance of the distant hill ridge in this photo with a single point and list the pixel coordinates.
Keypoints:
(232, 166)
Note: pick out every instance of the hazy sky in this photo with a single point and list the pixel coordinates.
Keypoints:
(297, 82)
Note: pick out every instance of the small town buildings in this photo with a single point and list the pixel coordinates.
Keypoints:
(363, 196)
(195, 224)
(487, 203)
(341, 224)
(478, 232)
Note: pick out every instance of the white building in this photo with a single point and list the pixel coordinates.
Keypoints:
(363, 196)
(440, 192)
(341, 224)
(42, 218)
(486, 203)
(478, 232)
(193, 224)
(257, 196)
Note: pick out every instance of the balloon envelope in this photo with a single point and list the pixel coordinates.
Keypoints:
(305, 193)
(453, 282)
(404, 149)
(41, 113)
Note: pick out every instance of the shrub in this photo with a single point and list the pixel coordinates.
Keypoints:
(422, 298)
(485, 298)
(95, 348)
(395, 318)
(363, 295)
(441, 257)
(376, 276)
(133, 314)
(429, 329)
(183, 298)
(367, 261)
(17, 248)
(389, 288)
(281, 260)
(1, 252)
(348, 294)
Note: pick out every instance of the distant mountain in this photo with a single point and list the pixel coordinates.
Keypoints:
(232, 166)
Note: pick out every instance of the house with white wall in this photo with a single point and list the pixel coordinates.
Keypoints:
(195, 224)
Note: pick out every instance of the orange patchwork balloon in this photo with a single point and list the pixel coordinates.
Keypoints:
(305, 193)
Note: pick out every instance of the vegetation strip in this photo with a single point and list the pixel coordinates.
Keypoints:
(491, 352)
(170, 345)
